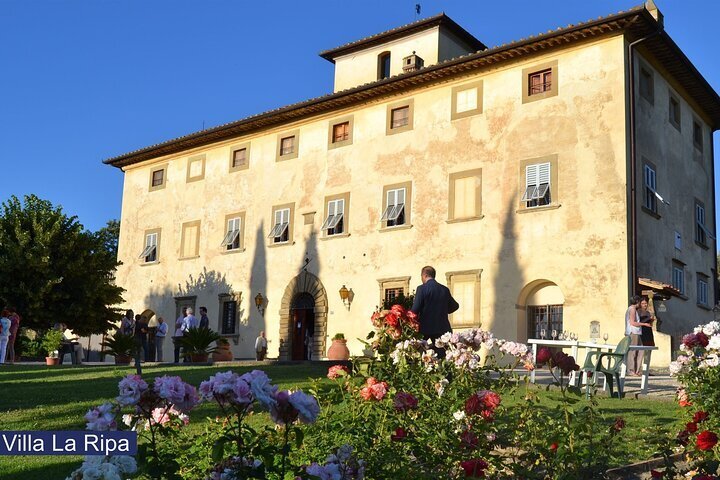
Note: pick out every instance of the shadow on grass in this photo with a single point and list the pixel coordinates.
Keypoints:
(38, 467)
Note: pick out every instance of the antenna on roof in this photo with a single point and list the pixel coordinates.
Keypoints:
(417, 10)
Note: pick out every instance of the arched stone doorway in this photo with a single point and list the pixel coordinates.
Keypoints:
(305, 300)
(540, 306)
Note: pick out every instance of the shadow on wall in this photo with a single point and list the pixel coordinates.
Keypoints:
(251, 327)
(508, 282)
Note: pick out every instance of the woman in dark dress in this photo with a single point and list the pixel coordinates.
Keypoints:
(646, 337)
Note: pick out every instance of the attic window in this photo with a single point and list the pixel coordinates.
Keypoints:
(384, 65)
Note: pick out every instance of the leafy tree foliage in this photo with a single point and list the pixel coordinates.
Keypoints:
(53, 270)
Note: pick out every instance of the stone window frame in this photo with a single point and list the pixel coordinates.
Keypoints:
(701, 277)
(464, 276)
(241, 248)
(235, 148)
(346, 217)
(291, 221)
(164, 168)
(539, 67)
(408, 102)
(183, 227)
(190, 161)
(147, 232)
(553, 160)
(674, 99)
(349, 119)
(680, 266)
(380, 60)
(478, 85)
(278, 148)
(650, 94)
(452, 178)
(183, 301)
(408, 205)
(393, 282)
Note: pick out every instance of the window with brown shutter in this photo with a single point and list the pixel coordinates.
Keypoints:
(157, 177)
(341, 132)
(540, 82)
(239, 157)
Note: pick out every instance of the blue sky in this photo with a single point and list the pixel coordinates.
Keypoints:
(82, 81)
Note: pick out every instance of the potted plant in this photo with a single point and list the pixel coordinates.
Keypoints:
(197, 342)
(223, 352)
(51, 342)
(338, 350)
(120, 345)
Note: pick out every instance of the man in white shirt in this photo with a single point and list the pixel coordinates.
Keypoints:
(160, 338)
(260, 346)
(190, 321)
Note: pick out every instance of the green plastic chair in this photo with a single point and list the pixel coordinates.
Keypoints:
(594, 366)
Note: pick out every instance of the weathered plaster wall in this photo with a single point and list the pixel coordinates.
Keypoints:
(580, 246)
(684, 173)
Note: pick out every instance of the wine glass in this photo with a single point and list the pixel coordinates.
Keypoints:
(554, 334)
(542, 333)
(605, 337)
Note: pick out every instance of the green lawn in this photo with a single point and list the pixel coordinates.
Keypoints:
(56, 398)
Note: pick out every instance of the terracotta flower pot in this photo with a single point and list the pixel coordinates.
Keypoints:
(338, 350)
(50, 361)
(122, 359)
(222, 354)
(199, 357)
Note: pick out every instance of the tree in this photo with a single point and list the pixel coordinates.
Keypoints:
(53, 270)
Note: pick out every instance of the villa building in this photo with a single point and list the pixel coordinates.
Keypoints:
(547, 180)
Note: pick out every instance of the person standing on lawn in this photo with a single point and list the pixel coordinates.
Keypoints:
(204, 320)
(14, 327)
(433, 303)
(160, 338)
(4, 334)
(178, 334)
(633, 329)
(260, 347)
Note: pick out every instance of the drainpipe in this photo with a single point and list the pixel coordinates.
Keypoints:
(633, 161)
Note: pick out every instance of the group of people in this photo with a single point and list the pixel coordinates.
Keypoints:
(185, 322)
(639, 327)
(148, 340)
(9, 326)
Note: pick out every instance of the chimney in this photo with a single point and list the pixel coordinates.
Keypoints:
(412, 63)
(654, 11)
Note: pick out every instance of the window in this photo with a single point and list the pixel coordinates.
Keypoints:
(228, 313)
(465, 195)
(150, 252)
(540, 81)
(697, 136)
(281, 232)
(678, 277)
(233, 239)
(702, 290)
(647, 85)
(158, 177)
(384, 65)
(399, 117)
(700, 235)
(466, 100)
(190, 240)
(288, 145)
(396, 208)
(336, 208)
(649, 191)
(393, 290)
(240, 157)
(340, 132)
(537, 185)
(674, 112)
(195, 168)
(548, 317)
(465, 289)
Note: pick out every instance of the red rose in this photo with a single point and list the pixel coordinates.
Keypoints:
(700, 416)
(474, 468)
(682, 437)
(490, 399)
(691, 427)
(656, 474)
(543, 355)
(391, 319)
(553, 447)
(399, 434)
(618, 425)
(564, 362)
(706, 440)
(473, 405)
(405, 401)
(702, 339)
(685, 403)
(398, 310)
(469, 440)
(706, 477)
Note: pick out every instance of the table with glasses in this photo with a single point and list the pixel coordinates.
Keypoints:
(575, 345)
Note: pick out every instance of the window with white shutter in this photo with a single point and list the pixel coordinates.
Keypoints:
(232, 234)
(537, 185)
(333, 223)
(394, 213)
(280, 231)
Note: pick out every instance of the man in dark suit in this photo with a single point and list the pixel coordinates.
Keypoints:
(433, 303)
